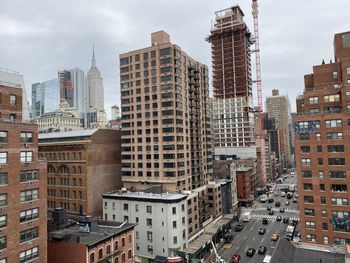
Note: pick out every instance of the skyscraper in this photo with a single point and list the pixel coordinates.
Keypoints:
(165, 117)
(94, 83)
(278, 107)
(45, 97)
(66, 87)
(232, 84)
(115, 112)
(322, 149)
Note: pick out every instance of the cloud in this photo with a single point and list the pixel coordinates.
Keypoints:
(38, 37)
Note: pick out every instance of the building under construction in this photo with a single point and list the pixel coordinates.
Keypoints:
(233, 115)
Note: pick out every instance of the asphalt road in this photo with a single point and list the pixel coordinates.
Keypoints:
(249, 236)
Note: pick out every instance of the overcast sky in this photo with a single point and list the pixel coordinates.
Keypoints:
(38, 38)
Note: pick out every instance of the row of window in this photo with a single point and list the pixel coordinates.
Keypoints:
(331, 161)
(26, 137)
(62, 156)
(330, 148)
(323, 200)
(331, 174)
(25, 157)
(65, 181)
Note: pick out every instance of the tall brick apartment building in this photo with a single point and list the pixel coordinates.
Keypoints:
(322, 126)
(82, 165)
(23, 213)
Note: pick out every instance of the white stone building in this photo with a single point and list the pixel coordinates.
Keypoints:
(161, 221)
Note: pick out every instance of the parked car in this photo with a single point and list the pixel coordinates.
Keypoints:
(228, 238)
(270, 200)
(250, 252)
(279, 218)
(274, 237)
(290, 195)
(262, 231)
(264, 221)
(286, 220)
(295, 200)
(271, 212)
(278, 204)
(283, 194)
(239, 227)
(262, 250)
(236, 258)
(287, 203)
(281, 210)
(269, 208)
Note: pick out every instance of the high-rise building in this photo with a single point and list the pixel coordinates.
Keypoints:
(66, 87)
(94, 84)
(278, 107)
(322, 149)
(165, 117)
(115, 112)
(23, 190)
(232, 84)
(45, 97)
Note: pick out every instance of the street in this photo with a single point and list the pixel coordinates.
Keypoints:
(249, 237)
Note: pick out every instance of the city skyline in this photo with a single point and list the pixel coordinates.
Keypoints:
(113, 32)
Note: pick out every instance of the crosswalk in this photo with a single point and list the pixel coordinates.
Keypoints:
(277, 209)
(271, 217)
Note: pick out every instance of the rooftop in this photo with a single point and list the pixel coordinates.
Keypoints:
(288, 253)
(67, 134)
(105, 230)
(144, 196)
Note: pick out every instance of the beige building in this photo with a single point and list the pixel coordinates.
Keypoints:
(278, 107)
(165, 117)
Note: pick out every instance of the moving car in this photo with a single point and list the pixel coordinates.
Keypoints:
(269, 208)
(278, 204)
(263, 198)
(281, 210)
(274, 237)
(262, 231)
(295, 200)
(236, 258)
(287, 203)
(250, 252)
(279, 218)
(247, 216)
(271, 212)
(239, 227)
(228, 238)
(290, 195)
(267, 259)
(264, 221)
(262, 250)
(286, 220)
(283, 194)
(270, 200)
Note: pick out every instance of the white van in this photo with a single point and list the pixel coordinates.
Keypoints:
(247, 216)
(267, 259)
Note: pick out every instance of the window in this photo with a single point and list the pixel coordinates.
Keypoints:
(323, 200)
(338, 188)
(308, 199)
(347, 72)
(125, 207)
(334, 135)
(319, 148)
(3, 136)
(13, 99)
(129, 254)
(30, 254)
(313, 100)
(175, 240)
(309, 212)
(333, 123)
(149, 236)
(26, 176)
(336, 161)
(100, 253)
(307, 174)
(305, 161)
(335, 148)
(335, 74)
(149, 222)
(29, 195)
(308, 187)
(26, 157)
(149, 209)
(3, 178)
(29, 234)
(3, 221)
(3, 199)
(3, 245)
(310, 224)
(92, 257)
(108, 249)
(174, 210)
(305, 149)
(324, 213)
(28, 215)
(136, 208)
(337, 174)
(26, 137)
(115, 245)
(325, 240)
(174, 224)
(130, 238)
(339, 201)
(331, 98)
(311, 238)
(3, 157)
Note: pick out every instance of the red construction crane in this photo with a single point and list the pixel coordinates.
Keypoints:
(261, 134)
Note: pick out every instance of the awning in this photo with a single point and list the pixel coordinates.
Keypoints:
(160, 259)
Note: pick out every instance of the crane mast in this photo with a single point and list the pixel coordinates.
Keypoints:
(261, 134)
